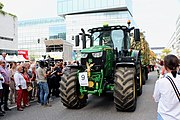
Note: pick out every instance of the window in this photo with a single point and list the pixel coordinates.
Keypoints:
(98, 3)
(64, 6)
(81, 5)
(117, 2)
(117, 37)
(75, 5)
(70, 6)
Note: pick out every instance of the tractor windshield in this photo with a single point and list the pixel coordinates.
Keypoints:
(117, 37)
(112, 38)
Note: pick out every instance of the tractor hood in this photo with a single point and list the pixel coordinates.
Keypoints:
(94, 49)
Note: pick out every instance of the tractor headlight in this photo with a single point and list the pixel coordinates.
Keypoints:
(84, 55)
(97, 54)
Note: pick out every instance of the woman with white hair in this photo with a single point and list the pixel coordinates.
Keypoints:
(20, 83)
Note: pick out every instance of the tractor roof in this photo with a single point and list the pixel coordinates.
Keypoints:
(107, 28)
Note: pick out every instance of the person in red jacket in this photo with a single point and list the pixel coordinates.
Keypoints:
(25, 91)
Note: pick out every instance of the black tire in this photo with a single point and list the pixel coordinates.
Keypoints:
(69, 92)
(125, 95)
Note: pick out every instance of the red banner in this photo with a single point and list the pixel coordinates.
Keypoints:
(24, 53)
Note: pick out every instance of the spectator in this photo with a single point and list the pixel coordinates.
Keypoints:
(12, 83)
(25, 91)
(29, 71)
(58, 74)
(5, 74)
(51, 82)
(20, 83)
(164, 93)
(66, 69)
(42, 81)
(34, 82)
(4, 57)
(1, 94)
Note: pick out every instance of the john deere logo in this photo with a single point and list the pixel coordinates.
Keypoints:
(89, 61)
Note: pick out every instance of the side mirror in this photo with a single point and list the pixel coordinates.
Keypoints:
(137, 35)
(77, 40)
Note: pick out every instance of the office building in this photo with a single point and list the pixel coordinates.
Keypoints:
(178, 36)
(8, 33)
(174, 42)
(33, 33)
(93, 13)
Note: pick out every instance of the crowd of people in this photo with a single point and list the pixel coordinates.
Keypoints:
(21, 83)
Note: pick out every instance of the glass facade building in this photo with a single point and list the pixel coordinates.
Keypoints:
(82, 6)
(93, 13)
(33, 33)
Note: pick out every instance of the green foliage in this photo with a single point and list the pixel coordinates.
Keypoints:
(1, 5)
(144, 47)
(12, 15)
(2, 12)
(165, 52)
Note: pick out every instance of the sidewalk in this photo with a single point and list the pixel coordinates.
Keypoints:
(12, 106)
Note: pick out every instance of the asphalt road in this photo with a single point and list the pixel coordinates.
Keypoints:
(98, 108)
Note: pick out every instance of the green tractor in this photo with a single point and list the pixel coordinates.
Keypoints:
(107, 65)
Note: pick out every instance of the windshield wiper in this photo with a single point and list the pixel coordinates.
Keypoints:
(99, 36)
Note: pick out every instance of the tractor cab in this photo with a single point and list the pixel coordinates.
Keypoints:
(116, 38)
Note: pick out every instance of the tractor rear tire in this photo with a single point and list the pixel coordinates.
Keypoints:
(69, 92)
(125, 95)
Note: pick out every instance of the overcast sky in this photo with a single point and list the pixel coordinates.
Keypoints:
(156, 17)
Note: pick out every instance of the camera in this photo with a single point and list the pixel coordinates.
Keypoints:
(47, 63)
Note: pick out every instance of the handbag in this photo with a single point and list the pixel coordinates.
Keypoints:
(174, 87)
(29, 88)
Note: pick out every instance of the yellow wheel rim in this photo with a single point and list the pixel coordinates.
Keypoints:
(81, 96)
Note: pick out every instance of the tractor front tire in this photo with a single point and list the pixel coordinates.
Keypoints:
(125, 95)
(69, 92)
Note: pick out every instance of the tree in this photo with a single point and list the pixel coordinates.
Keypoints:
(165, 52)
(1, 5)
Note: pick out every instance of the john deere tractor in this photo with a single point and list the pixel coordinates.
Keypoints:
(107, 65)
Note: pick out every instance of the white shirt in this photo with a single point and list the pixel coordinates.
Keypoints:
(164, 94)
(1, 81)
(19, 80)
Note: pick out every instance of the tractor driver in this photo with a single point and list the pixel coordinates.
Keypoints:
(107, 39)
